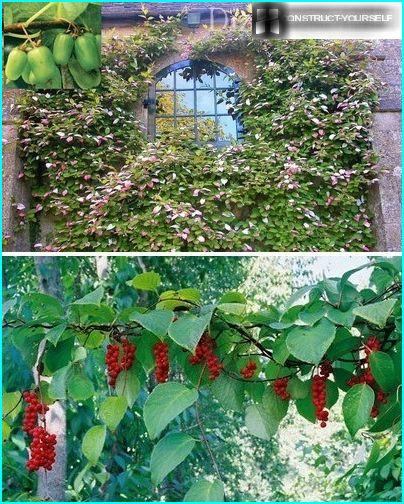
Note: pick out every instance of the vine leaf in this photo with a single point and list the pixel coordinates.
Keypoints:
(356, 407)
(387, 418)
(258, 422)
(93, 443)
(229, 392)
(57, 387)
(12, 405)
(309, 344)
(112, 410)
(93, 297)
(79, 387)
(383, 370)
(157, 321)
(145, 281)
(376, 313)
(54, 334)
(166, 402)
(169, 452)
(205, 491)
(188, 329)
(128, 386)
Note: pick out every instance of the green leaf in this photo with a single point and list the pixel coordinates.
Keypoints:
(313, 313)
(93, 297)
(339, 317)
(205, 491)
(166, 402)
(232, 302)
(229, 392)
(296, 296)
(356, 407)
(12, 404)
(388, 416)
(145, 281)
(280, 351)
(79, 387)
(168, 453)
(112, 410)
(42, 307)
(157, 321)
(144, 350)
(376, 313)
(383, 370)
(54, 334)
(6, 430)
(259, 423)
(309, 344)
(128, 386)
(274, 370)
(58, 356)
(93, 443)
(8, 305)
(54, 10)
(57, 387)
(298, 389)
(190, 294)
(188, 329)
(275, 407)
(373, 457)
(93, 340)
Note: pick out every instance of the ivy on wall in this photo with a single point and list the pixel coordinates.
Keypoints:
(297, 182)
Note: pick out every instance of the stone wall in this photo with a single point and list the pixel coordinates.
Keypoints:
(15, 190)
(385, 198)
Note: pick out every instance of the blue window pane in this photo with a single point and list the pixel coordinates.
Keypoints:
(224, 80)
(166, 82)
(225, 101)
(185, 102)
(184, 78)
(226, 128)
(205, 102)
(198, 98)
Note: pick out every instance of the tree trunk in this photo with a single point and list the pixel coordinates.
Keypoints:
(52, 484)
(102, 265)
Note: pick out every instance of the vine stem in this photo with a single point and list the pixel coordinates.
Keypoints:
(202, 430)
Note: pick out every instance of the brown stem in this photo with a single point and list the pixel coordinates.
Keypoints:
(36, 25)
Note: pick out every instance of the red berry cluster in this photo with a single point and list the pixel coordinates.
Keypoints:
(248, 371)
(280, 386)
(372, 344)
(34, 408)
(43, 451)
(204, 353)
(160, 351)
(43, 444)
(318, 392)
(114, 365)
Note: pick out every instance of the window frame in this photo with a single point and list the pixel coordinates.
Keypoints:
(153, 91)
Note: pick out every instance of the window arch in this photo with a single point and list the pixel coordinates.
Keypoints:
(199, 97)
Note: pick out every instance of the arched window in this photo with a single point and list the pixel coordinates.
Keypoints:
(197, 96)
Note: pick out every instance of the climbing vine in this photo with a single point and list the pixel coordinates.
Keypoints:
(330, 338)
(298, 181)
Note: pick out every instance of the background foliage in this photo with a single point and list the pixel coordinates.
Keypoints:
(301, 459)
(298, 181)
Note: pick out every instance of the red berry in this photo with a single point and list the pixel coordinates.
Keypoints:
(280, 386)
(204, 352)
